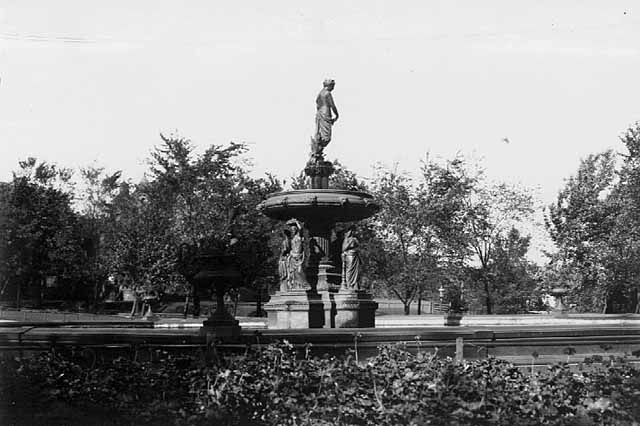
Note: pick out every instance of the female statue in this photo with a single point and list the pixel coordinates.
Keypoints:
(296, 276)
(350, 261)
(283, 262)
(325, 107)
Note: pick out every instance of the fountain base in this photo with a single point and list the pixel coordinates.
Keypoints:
(321, 309)
(300, 309)
(355, 309)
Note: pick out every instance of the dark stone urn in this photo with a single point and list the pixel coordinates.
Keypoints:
(220, 272)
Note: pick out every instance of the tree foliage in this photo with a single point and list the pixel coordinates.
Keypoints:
(492, 213)
(191, 203)
(421, 227)
(595, 224)
(40, 231)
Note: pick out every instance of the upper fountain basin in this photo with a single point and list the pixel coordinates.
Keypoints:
(330, 204)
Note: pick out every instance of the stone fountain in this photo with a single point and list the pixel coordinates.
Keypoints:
(320, 284)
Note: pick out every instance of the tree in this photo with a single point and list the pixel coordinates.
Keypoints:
(581, 223)
(5, 217)
(420, 227)
(257, 238)
(138, 245)
(40, 230)
(201, 194)
(626, 238)
(516, 278)
(595, 224)
(400, 225)
(95, 208)
(492, 211)
(193, 203)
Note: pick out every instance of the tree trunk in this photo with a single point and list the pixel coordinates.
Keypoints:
(235, 299)
(186, 306)
(196, 301)
(407, 308)
(488, 300)
(19, 295)
(420, 302)
(96, 294)
(4, 286)
(134, 308)
(38, 292)
(259, 303)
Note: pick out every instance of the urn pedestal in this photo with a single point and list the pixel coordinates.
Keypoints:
(220, 323)
(453, 319)
(220, 327)
(221, 272)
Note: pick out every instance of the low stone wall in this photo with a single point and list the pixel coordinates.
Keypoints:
(37, 315)
(633, 320)
(522, 345)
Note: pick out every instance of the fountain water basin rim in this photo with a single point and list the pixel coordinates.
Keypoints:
(330, 204)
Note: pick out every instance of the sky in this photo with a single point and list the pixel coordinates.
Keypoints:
(95, 82)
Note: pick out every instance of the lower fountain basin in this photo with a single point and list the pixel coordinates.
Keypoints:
(331, 204)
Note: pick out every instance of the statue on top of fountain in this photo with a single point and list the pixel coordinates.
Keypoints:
(326, 116)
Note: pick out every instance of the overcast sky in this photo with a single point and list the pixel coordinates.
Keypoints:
(85, 81)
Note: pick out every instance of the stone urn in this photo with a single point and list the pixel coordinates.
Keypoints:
(220, 272)
(559, 293)
(453, 295)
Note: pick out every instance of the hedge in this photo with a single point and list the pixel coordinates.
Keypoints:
(277, 385)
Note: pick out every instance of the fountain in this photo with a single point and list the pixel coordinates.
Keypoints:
(316, 290)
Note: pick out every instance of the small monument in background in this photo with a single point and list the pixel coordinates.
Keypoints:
(316, 291)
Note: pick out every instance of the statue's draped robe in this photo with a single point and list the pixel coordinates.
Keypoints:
(350, 264)
(296, 276)
(324, 102)
(283, 263)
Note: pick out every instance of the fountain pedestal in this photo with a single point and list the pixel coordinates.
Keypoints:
(355, 309)
(300, 309)
(321, 309)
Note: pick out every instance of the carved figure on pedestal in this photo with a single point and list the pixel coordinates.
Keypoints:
(296, 276)
(283, 262)
(351, 265)
(326, 116)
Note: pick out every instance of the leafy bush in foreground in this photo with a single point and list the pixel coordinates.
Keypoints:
(276, 385)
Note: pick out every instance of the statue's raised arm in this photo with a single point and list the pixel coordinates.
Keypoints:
(326, 115)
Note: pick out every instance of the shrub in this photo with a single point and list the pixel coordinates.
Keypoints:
(277, 385)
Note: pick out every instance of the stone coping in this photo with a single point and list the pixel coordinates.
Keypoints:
(387, 321)
(382, 321)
